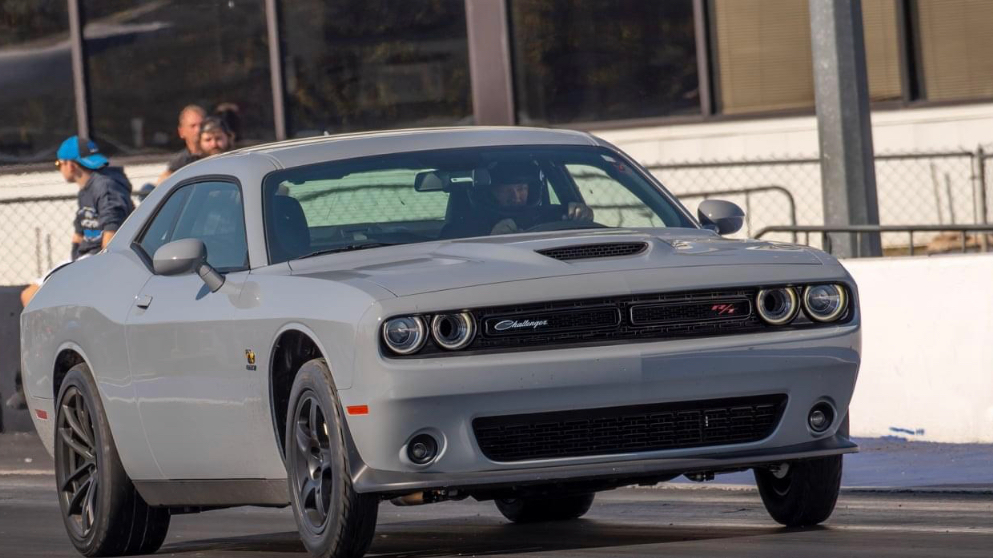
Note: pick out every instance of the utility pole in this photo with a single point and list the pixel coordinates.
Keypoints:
(841, 91)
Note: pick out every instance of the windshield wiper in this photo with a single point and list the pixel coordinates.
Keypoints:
(348, 248)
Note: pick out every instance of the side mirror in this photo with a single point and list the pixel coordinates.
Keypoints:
(721, 216)
(188, 255)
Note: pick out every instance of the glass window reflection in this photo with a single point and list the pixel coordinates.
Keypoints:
(147, 59)
(37, 105)
(589, 60)
(374, 64)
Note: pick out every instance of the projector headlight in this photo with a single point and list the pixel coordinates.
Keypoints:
(825, 303)
(453, 331)
(405, 335)
(777, 306)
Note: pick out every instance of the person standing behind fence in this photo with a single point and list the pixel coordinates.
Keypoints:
(190, 119)
(104, 202)
(215, 136)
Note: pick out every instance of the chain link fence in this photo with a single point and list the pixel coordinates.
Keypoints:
(945, 188)
(942, 188)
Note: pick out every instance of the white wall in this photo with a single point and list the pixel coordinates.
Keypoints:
(894, 131)
(927, 348)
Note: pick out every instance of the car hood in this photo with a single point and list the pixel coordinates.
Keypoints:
(436, 266)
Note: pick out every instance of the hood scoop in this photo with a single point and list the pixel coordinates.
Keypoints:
(592, 251)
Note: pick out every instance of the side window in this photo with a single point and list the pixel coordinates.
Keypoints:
(214, 214)
(209, 211)
(159, 232)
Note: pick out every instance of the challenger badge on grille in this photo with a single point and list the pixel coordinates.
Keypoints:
(587, 319)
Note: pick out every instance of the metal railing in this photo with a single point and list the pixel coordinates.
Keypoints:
(858, 230)
(748, 193)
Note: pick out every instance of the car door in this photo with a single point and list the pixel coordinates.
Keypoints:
(197, 402)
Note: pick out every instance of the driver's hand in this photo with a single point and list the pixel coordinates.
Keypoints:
(505, 226)
(578, 212)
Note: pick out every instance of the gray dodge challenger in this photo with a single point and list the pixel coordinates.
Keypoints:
(518, 315)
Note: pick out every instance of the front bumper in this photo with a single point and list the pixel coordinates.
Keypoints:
(370, 480)
(443, 396)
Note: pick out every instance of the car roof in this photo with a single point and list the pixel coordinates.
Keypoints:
(296, 152)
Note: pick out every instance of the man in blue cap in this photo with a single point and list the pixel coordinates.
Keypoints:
(104, 203)
(104, 200)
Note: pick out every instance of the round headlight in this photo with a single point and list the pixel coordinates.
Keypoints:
(405, 335)
(825, 303)
(453, 331)
(777, 306)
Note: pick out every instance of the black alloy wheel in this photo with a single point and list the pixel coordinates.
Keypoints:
(334, 520)
(315, 471)
(77, 474)
(104, 514)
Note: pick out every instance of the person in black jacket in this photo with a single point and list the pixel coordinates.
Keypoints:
(104, 203)
(104, 200)
(513, 199)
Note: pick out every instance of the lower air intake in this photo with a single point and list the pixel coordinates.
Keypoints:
(638, 428)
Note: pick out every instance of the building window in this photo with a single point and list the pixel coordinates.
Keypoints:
(374, 64)
(36, 91)
(955, 43)
(148, 59)
(763, 53)
(590, 60)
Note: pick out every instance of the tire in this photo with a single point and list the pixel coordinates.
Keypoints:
(103, 513)
(554, 508)
(334, 521)
(805, 494)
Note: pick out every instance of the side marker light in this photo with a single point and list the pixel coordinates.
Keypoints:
(357, 409)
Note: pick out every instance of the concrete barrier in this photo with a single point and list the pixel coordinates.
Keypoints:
(927, 348)
(10, 358)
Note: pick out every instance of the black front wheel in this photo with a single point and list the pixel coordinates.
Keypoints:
(334, 521)
(551, 508)
(801, 493)
(103, 513)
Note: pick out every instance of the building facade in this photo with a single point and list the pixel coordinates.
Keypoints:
(120, 70)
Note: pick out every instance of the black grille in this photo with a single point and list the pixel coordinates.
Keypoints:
(590, 251)
(629, 328)
(586, 319)
(632, 429)
(675, 313)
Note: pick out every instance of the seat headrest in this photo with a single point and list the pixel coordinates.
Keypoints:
(289, 235)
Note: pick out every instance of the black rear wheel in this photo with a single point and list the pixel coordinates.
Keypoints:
(103, 513)
(551, 508)
(801, 493)
(334, 521)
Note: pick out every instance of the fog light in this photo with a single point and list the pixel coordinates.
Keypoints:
(820, 418)
(422, 449)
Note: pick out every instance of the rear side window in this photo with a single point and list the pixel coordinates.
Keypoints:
(210, 211)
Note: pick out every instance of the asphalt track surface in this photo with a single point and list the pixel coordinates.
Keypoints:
(945, 519)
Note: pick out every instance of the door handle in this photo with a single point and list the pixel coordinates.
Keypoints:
(143, 301)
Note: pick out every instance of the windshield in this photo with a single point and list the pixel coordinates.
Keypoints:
(456, 193)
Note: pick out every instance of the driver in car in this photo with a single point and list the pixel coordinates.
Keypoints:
(515, 201)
